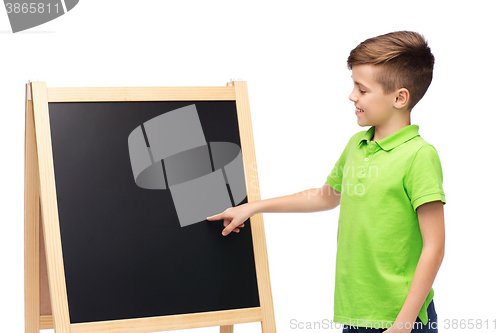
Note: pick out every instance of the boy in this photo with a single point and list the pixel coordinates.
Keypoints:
(388, 183)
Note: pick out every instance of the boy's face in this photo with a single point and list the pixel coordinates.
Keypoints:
(373, 107)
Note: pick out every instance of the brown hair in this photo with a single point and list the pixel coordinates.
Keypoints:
(404, 60)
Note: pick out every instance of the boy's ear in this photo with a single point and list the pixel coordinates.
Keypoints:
(402, 98)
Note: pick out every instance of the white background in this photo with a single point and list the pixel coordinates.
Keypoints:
(293, 56)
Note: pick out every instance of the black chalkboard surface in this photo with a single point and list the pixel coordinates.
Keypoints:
(126, 253)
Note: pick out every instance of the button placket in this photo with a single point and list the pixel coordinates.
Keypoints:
(369, 156)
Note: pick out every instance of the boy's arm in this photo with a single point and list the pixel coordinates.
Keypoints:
(308, 201)
(312, 200)
(431, 221)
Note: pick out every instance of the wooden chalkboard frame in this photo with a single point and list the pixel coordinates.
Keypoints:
(46, 303)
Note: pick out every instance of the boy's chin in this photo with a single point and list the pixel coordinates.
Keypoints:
(362, 123)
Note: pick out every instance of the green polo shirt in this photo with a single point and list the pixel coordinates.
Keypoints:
(378, 240)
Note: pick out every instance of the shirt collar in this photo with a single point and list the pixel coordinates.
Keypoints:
(393, 140)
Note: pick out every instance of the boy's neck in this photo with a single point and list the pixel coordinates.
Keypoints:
(384, 130)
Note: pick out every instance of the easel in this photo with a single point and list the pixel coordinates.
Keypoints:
(46, 305)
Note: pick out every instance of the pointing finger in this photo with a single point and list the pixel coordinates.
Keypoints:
(214, 217)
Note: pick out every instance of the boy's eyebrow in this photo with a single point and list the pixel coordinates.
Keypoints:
(359, 84)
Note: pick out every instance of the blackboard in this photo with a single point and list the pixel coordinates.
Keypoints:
(126, 178)
(125, 253)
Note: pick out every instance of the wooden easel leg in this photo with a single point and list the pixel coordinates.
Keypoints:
(227, 329)
(46, 320)
(50, 217)
(31, 225)
(257, 222)
(268, 326)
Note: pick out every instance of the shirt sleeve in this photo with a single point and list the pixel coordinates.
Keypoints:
(424, 179)
(334, 179)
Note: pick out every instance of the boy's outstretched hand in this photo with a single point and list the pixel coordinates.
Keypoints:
(233, 217)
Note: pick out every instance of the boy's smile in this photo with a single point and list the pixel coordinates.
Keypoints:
(388, 112)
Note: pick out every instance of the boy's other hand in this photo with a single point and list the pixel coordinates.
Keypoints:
(233, 217)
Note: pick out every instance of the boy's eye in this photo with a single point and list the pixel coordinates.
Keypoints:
(362, 91)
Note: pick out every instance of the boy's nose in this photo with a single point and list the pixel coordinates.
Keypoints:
(352, 97)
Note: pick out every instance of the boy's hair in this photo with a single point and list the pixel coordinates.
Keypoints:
(404, 60)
